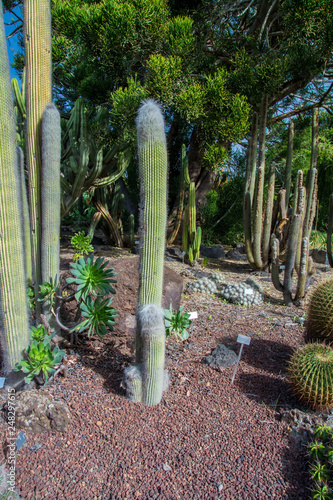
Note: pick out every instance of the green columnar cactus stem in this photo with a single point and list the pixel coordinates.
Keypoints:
(152, 331)
(37, 39)
(197, 243)
(192, 213)
(153, 177)
(51, 148)
(13, 284)
(257, 241)
(50, 199)
(150, 338)
(183, 175)
(251, 163)
(329, 232)
(287, 182)
(131, 229)
(268, 216)
(315, 138)
(25, 218)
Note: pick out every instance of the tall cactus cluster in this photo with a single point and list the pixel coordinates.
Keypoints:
(146, 380)
(18, 264)
(279, 234)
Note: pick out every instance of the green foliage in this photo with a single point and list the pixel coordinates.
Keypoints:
(92, 278)
(311, 375)
(48, 290)
(99, 316)
(41, 360)
(39, 333)
(176, 322)
(82, 244)
(320, 452)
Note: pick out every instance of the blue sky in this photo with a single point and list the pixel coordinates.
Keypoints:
(11, 44)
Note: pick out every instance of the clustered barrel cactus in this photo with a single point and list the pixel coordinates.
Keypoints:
(146, 380)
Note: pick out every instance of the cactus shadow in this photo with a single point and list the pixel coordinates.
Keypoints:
(267, 355)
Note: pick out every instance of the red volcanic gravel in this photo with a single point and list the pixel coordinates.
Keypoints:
(207, 439)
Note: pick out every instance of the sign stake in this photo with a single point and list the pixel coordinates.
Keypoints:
(241, 339)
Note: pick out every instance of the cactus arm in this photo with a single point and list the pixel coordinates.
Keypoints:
(18, 97)
(153, 353)
(298, 184)
(310, 210)
(180, 208)
(262, 132)
(192, 212)
(287, 184)
(13, 299)
(275, 248)
(253, 157)
(37, 39)
(123, 162)
(93, 224)
(185, 242)
(247, 229)
(304, 268)
(131, 221)
(51, 148)
(268, 216)
(25, 217)
(329, 232)
(290, 258)
(300, 210)
(197, 243)
(257, 219)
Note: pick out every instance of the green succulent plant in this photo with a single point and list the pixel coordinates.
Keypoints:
(41, 360)
(311, 374)
(40, 334)
(92, 278)
(99, 316)
(176, 322)
(82, 244)
(320, 313)
(320, 473)
(48, 290)
(322, 492)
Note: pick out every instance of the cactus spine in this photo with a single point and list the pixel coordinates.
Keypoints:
(13, 299)
(37, 39)
(150, 337)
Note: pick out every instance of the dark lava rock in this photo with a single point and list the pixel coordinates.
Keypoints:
(234, 254)
(36, 411)
(240, 247)
(318, 256)
(175, 252)
(214, 252)
(221, 357)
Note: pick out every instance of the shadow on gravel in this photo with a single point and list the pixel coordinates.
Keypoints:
(106, 359)
(295, 471)
(273, 392)
(267, 355)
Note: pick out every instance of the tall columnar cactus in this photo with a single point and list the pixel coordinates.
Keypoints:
(184, 179)
(131, 222)
(147, 379)
(329, 232)
(37, 41)
(13, 298)
(191, 238)
(257, 234)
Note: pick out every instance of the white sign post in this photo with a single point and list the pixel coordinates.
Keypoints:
(241, 339)
(193, 315)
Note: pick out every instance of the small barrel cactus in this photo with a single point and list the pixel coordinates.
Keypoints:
(320, 313)
(310, 372)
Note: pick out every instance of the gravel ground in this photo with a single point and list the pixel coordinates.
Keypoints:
(207, 439)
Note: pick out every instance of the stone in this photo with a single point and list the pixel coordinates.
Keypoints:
(213, 252)
(318, 256)
(234, 254)
(254, 284)
(175, 252)
(36, 411)
(240, 247)
(221, 357)
(15, 380)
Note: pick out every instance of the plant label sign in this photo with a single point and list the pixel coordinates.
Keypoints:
(20, 440)
(241, 339)
(193, 315)
(2, 382)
